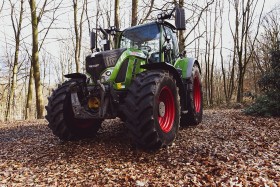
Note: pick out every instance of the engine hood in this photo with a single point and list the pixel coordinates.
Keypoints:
(97, 62)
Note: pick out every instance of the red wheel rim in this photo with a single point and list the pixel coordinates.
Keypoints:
(197, 94)
(166, 105)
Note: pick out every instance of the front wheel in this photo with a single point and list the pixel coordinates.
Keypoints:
(194, 100)
(152, 109)
(61, 117)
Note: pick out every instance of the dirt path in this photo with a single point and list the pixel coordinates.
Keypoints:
(227, 149)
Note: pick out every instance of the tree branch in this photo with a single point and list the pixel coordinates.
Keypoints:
(199, 17)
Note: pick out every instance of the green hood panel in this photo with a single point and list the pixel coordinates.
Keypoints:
(135, 58)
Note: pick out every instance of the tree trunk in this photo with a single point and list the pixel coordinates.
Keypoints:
(17, 31)
(206, 62)
(240, 86)
(117, 14)
(134, 12)
(244, 18)
(213, 55)
(208, 74)
(117, 19)
(78, 32)
(28, 108)
(221, 51)
(77, 58)
(35, 61)
(7, 112)
(181, 33)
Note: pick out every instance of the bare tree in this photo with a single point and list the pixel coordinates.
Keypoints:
(17, 27)
(227, 74)
(35, 56)
(88, 18)
(35, 20)
(117, 18)
(261, 50)
(268, 40)
(64, 66)
(8, 66)
(117, 14)
(148, 10)
(181, 33)
(210, 51)
(28, 108)
(209, 65)
(271, 26)
(78, 27)
(134, 12)
(197, 13)
(214, 46)
(244, 18)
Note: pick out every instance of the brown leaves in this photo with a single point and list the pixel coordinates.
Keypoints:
(227, 149)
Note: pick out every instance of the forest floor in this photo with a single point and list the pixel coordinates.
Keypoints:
(226, 149)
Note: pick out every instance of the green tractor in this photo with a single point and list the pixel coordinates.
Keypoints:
(146, 81)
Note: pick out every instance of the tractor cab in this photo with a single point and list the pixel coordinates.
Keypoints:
(156, 40)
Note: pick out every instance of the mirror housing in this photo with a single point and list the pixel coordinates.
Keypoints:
(180, 21)
(92, 40)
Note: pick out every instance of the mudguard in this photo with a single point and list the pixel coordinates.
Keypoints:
(76, 76)
(186, 64)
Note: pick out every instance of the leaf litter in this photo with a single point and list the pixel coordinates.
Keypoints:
(226, 149)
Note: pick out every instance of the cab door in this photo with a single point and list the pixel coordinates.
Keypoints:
(169, 45)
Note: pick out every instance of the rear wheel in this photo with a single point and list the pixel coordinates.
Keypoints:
(194, 100)
(61, 117)
(152, 109)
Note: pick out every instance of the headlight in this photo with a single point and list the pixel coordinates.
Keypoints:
(106, 75)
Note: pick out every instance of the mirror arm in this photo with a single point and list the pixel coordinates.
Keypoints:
(104, 32)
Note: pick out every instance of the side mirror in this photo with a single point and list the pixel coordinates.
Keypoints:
(180, 21)
(92, 40)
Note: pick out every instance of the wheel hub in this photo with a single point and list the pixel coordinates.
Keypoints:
(161, 109)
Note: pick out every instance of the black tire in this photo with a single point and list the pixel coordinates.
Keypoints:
(61, 117)
(194, 100)
(149, 126)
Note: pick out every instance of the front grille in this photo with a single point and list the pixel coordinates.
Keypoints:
(95, 65)
(122, 72)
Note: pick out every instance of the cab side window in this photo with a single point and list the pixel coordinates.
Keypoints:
(173, 44)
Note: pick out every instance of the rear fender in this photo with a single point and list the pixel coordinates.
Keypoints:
(186, 64)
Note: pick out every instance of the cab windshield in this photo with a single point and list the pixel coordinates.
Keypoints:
(144, 37)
